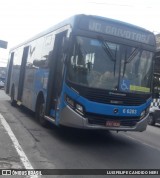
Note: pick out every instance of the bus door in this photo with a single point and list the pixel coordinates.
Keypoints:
(22, 73)
(55, 80)
(9, 72)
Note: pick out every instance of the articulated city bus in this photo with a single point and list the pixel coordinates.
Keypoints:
(86, 72)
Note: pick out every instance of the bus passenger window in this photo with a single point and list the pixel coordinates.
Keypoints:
(42, 63)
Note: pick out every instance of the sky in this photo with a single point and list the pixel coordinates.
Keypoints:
(22, 19)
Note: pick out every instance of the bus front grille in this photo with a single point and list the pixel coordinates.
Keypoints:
(104, 97)
(110, 97)
(102, 119)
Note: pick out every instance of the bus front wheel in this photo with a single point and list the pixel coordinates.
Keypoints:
(40, 110)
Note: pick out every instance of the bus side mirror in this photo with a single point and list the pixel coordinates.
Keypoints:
(65, 44)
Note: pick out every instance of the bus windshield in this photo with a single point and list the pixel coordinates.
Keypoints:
(97, 63)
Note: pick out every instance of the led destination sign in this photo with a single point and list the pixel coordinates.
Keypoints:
(118, 29)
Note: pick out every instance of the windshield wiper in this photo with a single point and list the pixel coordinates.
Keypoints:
(108, 51)
(131, 57)
(125, 62)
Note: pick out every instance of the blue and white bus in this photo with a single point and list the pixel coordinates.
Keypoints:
(86, 72)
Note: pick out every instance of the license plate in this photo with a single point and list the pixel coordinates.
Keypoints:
(112, 124)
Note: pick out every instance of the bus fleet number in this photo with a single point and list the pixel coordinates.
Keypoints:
(129, 111)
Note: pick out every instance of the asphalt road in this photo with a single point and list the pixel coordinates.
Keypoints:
(65, 148)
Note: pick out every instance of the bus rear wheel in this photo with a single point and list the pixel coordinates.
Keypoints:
(40, 112)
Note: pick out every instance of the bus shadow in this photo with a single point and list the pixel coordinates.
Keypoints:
(98, 144)
(76, 136)
(105, 145)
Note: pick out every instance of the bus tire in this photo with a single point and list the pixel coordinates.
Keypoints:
(40, 110)
(13, 101)
(151, 119)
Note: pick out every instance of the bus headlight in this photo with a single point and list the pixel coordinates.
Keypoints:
(69, 101)
(74, 105)
(147, 110)
(79, 108)
(143, 113)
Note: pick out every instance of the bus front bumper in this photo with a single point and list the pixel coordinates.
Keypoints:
(70, 118)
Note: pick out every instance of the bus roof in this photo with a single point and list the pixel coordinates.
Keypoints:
(80, 21)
